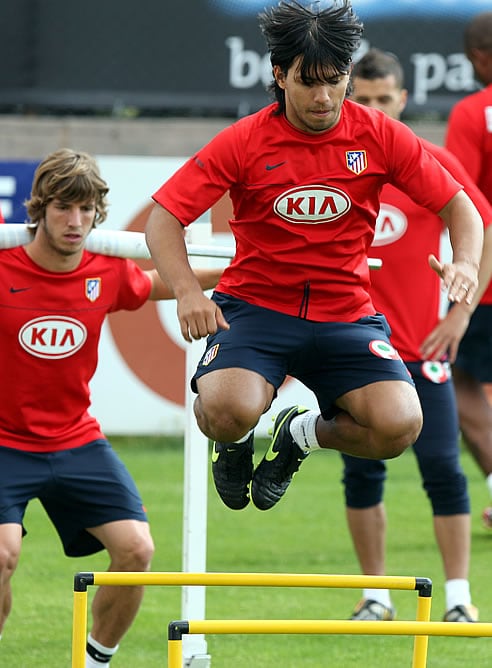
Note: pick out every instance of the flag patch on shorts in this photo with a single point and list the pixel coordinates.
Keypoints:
(436, 372)
(210, 355)
(383, 349)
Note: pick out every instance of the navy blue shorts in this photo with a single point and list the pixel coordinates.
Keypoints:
(475, 349)
(328, 358)
(436, 449)
(79, 488)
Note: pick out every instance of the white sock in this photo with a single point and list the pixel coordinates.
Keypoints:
(105, 654)
(303, 431)
(244, 438)
(488, 480)
(380, 595)
(457, 593)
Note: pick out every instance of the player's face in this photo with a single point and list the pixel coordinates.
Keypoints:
(66, 225)
(383, 94)
(312, 106)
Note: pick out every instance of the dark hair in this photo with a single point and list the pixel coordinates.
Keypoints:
(326, 39)
(72, 176)
(377, 64)
(478, 33)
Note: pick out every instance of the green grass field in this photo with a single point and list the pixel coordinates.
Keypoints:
(305, 533)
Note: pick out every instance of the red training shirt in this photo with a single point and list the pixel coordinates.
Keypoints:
(469, 137)
(51, 324)
(406, 289)
(305, 205)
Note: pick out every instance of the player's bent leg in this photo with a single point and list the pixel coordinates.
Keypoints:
(131, 548)
(230, 402)
(10, 546)
(378, 421)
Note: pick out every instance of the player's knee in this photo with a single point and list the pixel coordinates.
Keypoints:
(8, 561)
(227, 420)
(399, 433)
(136, 555)
(363, 481)
(446, 485)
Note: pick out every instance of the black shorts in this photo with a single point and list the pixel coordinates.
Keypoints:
(475, 349)
(328, 358)
(79, 488)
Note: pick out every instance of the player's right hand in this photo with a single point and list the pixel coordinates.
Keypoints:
(199, 316)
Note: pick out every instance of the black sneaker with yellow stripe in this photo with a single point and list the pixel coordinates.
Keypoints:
(232, 470)
(274, 473)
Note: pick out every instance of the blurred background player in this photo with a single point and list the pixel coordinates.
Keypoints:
(55, 298)
(469, 137)
(409, 295)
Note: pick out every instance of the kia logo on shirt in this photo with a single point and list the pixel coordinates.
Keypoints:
(52, 337)
(391, 225)
(312, 204)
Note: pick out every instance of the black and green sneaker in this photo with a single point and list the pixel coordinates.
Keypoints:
(282, 459)
(232, 469)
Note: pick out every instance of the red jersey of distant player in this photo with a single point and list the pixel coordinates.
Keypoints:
(469, 137)
(405, 289)
(305, 205)
(51, 324)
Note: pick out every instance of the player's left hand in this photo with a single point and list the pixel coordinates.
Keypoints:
(460, 279)
(445, 338)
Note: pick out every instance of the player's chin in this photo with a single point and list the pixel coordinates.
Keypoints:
(319, 122)
(71, 248)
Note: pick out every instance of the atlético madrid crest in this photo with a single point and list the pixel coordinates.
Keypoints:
(92, 288)
(356, 161)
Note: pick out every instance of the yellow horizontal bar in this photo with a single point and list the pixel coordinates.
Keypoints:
(337, 626)
(255, 579)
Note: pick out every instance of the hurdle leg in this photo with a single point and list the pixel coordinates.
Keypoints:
(79, 628)
(175, 632)
(421, 643)
(175, 653)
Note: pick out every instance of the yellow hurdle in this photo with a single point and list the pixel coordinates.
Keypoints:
(316, 626)
(421, 628)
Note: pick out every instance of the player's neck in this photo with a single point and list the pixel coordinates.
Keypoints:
(52, 259)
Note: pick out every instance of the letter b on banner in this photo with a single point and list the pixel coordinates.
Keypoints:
(247, 67)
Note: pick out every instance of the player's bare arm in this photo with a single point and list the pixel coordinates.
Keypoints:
(198, 315)
(208, 279)
(460, 277)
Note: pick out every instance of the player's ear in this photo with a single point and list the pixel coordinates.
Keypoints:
(278, 75)
(403, 99)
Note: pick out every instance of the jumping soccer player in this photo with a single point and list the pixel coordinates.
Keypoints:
(304, 175)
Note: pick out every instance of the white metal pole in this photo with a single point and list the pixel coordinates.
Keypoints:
(195, 493)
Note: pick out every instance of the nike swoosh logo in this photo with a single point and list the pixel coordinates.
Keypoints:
(13, 290)
(271, 454)
(215, 455)
(270, 167)
(100, 657)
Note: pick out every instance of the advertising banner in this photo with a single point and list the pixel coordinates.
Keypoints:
(204, 57)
